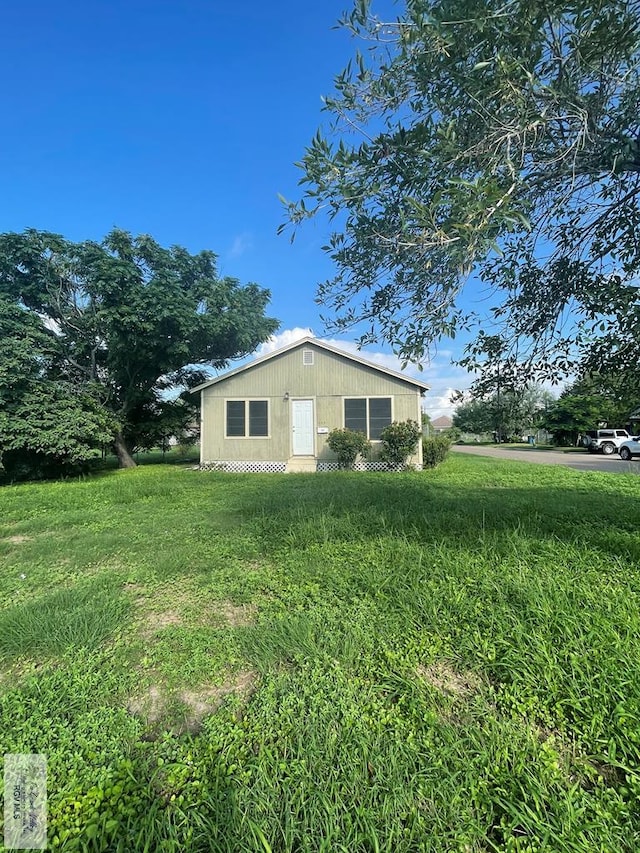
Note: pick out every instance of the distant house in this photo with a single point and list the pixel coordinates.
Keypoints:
(441, 424)
(274, 414)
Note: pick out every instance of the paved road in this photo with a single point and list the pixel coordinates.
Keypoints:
(582, 461)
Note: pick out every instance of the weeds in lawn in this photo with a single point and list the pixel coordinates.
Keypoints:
(437, 661)
(82, 617)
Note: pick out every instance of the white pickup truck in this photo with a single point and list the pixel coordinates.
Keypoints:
(606, 440)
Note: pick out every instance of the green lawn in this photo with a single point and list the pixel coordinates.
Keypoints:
(438, 661)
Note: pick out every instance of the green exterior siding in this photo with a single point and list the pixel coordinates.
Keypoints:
(284, 378)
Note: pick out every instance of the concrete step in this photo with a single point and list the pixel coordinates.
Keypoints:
(301, 465)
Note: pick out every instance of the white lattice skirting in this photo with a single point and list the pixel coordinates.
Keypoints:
(359, 466)
(246, 467)
(280, 467)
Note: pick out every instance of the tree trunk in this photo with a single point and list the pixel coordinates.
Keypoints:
(125, 460)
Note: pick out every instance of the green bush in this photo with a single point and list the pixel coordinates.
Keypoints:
(348, 445)
(21, 464)
(454, 434)
(399, 442)
(434, 450)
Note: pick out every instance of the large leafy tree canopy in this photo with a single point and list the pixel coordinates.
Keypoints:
(499, 137)
(508, 413)
(574, 414)
(590, 402)
(95, 334)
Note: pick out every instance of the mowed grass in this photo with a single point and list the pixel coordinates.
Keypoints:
(438, 661)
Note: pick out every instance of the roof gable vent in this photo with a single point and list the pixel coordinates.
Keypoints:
(307, 357)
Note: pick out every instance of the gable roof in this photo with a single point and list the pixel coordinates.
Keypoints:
(308, 341)
(443, 422)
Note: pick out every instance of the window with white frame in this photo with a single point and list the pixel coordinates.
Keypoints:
(369, 415)
(247, 419)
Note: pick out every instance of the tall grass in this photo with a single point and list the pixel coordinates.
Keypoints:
(82, 617)
(441, 661)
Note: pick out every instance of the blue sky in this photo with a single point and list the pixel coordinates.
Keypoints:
(182, 120)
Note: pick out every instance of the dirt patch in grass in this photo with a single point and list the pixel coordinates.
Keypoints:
(221, 614)
(184, 710)
(229, 614)
(155, 622)
(150, 705)
(442, 676)
(159, 609)
(188, 605)
(201, 703)
(18, 539)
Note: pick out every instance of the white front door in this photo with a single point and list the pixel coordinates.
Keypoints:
(302, 425)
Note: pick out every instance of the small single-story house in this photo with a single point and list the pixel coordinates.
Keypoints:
(275, 413)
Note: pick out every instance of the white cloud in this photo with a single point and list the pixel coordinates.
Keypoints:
(288, 336)
(440, 404)
(384, 359)
(242, 244)
(443, 378)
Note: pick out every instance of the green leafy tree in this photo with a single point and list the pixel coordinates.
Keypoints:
(475, 416)
(507, 414)
(111, 327)
(574, 414)
(496, 138)
(619, 396)
(589, 402)
(48, 424)
(167, 420)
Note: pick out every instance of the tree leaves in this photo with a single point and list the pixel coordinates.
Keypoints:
(481, 137)
(115, 323)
